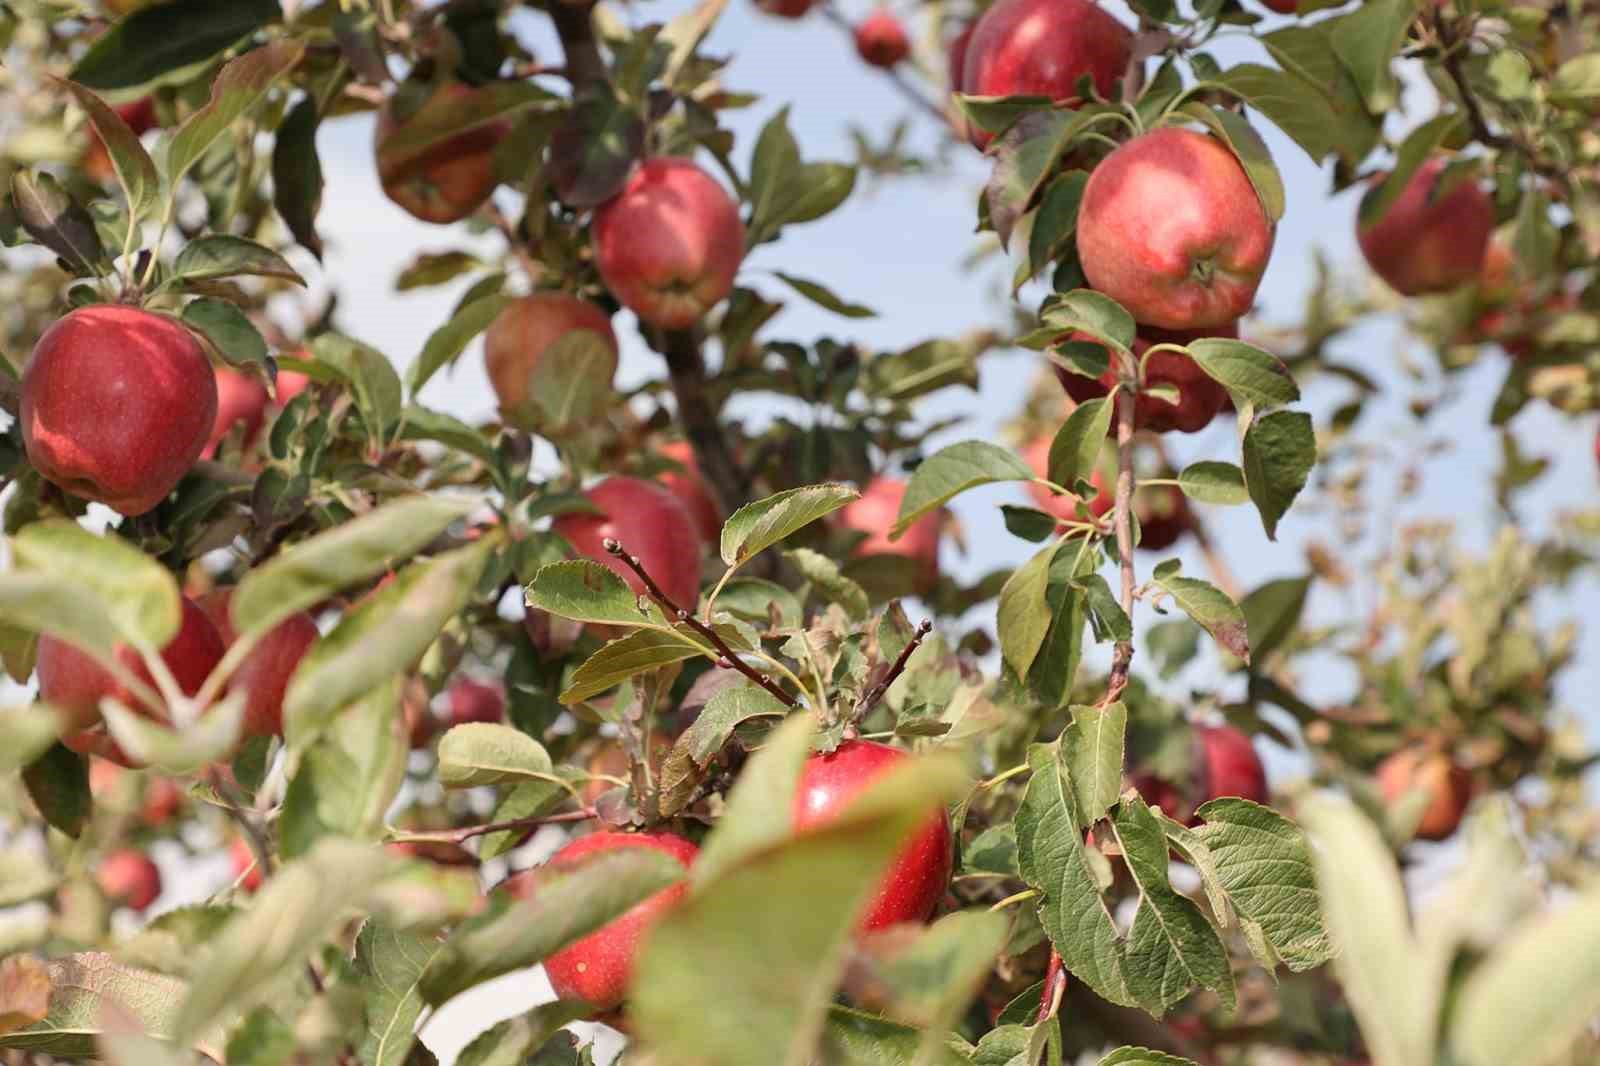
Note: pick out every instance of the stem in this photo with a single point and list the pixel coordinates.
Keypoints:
(1019, 897)
(574, 25)
(1008, 775)
(686, 367)
(1123, 656)
(253, 835)
(457, 836)
(871, 697)
(729, 657)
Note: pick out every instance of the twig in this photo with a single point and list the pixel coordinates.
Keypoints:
(686, 367)
(1123, 657)
(514, 241)
(458, 836)
(1452, 65)
(572, 21)
(870, 698)
(729, 659)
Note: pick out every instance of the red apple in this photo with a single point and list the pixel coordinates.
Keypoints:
(669, 245)
(128, 876)
(1448, 788)
(117, 404)
(597, 967)
(917, 877)
(1171, 228)
(421, 726)
(1200, 397)
(690, 488)
(241, 400)
(651, 524)
(526, 329)
(1162, 794)
(881, 41)
(874, 514)
(956, 57)
(246, 871)
(475, 701)
(1163, 514)
(264, 675)
(163, 799)
(1427, 242)
(452, 178)
(1229, 765)
(1043, 48)
(789, 9)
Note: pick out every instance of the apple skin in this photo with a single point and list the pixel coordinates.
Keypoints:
(669, 245)
(117, 404)
(1426, 245)
(1162, 510)
(1229, 765)
(917, 878)
(1171, 228)
(874, 514)
(450, 180)
(691, 490)
(526, 329)
(240, 399)
(129, 876)
(243, 859)
(475, 701)
(1200, 396)
(265, 673)
(650, 523)
(1449, 788)
(787, 9)
(597, 967)
(1042, 48)
(881, 41)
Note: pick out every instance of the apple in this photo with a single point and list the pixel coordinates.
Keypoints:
(140, 115)
(650, 523)
(669, 245)
(129, 876)
(1427, 242)
(521, 334)
(264, 675)
(241, 400)
(956, 57)
(689, 486)
(874, 514)
(117, 404)
(475, 701)
(163, 799)
(1200, 397)
(788, 9)
(421, 726)
(596, 968)
(1161, 794)
(1448, 787)
(1229, 765)
(1162, 510)
(917, 877)
(1043, 48)
(1171, 228)
(881, 41)
(449, 180)
(246, 871)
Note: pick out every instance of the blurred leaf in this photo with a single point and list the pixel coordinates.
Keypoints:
(758, 812)
(420, 423)
(1077, 443)
(24, 992)
(428, 269)
(1213, 482)
(953, 470)
(1138, 1056)
(138, 594)
(447, 342)
(57, 606)
(629, 656)
(226, 256)
(25, 734)
(82, 988)
(594, 149)
(391, 964)
(1251, 375)
(483, 753)
(922, 369)
(1272, 611)
(1577, 83)
(1418, 147)
(297, 174)
(1279, 451)
(1023, 617)
(240, 86)
(830, 581)
(58, 784)
(824, 297)
(136, 171)
(178, 749)
(1208, 605)
(348, 779)
(447, 115)
(530, 799)
(1367, 40)
(371, 377)
(517, 1041)
(759, 525)
(58, 222)
(228, 329)
(931, 980)
(570, 384)
(587, 591)
(169, 38)
(693, 751)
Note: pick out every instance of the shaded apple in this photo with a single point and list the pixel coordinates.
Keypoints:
(669, 245)
(527, 328)
(917, 877)
(650, 523)
(1171, 228)
(881, 41)
(690, 487)
(1200, 397)
(448, 180)
(117, 404)
(596, 968)
(130, 877)
(241, 400)
(874, 514)
(265, 673)
(1430, 239)
(1448, 788)
(475, 701)
(1229, 766)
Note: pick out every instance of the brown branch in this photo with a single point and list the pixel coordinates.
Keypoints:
(1123, 656)
(729, 659)
(458, 836)
(573, 23)
(686, 368)
(870, 698)
(1451, 58)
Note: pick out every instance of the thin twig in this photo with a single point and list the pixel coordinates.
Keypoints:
(686, 369)
(514, 241)
(458, 836)
(729, 659)
(1123, 656)
(870, 698)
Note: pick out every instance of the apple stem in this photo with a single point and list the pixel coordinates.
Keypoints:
(725, 653)
(870, 698)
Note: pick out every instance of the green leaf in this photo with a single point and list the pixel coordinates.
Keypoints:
(1024, 614)
(824, 297)
(390, 963)
(59, 607)
(1055, 668)
(1106, 615)
(483, 753)
(759, 525)
(759, 810)
(382, 636)
(178, 750)
(138, 594)
(1214, 482)
(25, 875)
(348, 779)
(994, 114)
(629, 656)
(1208, 605)
(1138, 1056)
(570, 385)
(58, 784)
(830, 581)
(447, 342)
(1077, 443)
(1054, 221)
(1577, 83)
(447, 115)
(1250, 375)
(1272, 611)
(169, 39)
(136, 171)
(564, 904)
(428, 269)
(1098, 315)
(1026, 155)
(1366, 41)
(227, 256)
(240, 86)
(82, 988)
(693, 751)
(297, 174)
(57, 221)
(1091, 751)
(517, 1041)
(1420, 145)
(594, 147)
(1303, 110)
(931, 981)
(25, 734)
(370, 376)
(1279, 452)
(309, 572)
(1236, 132)
(227, 328)
(951, 471)
(528, 800)
(586, 591)
(420, 423)
(922, 369)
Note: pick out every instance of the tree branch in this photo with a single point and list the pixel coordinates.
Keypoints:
(584, 64)
(1123, 657)
(458, 836)
(870, 698)
(686, 367)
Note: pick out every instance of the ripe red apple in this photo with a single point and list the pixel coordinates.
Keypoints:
(874, 514)
(1037, 455)
(526, 329)
(475, 701)
(117, 404)
(129, 876)
(1171, 228)
(1200, 397)
(1427, 242)
(1448, 787)
(669, 245)
(1043, 48)
(1162, 794)
(690, 488)
(881, 41)
(597, 967)
(917, 878)
(956, 57)
(163, 799)
(241, 399)
(789, 9)
(651, 524)
(1229, 765)
(451, 179)
(264, 675)
(245, 868)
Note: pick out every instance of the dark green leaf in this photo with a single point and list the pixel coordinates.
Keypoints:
(759, 525)
(824, 297)
(58, 784)
(241, 85)
(230, 332)
(1209, 481)
(1207, 605)
(226, 256)
(953, 470)
(169, 38)
(1279, 452)
(58, 222)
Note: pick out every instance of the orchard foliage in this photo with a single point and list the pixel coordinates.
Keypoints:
(692, 716)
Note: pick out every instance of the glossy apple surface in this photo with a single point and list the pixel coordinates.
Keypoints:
(650, 523)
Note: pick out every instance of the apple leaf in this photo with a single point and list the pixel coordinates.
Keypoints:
(1272, 611)
(953, 470)
(82, 987)
(1419, 145)
(922, 369)
(446, 115)
(994, 114)
(57, 221)
(1138, 1056)
(759, 809)
(824, 297)
(930, 981)
(1251, 375)
(1279, 451)
(759, 525)
(58, 783)
(1366, 40)
(524, 1039)
(228, 330)
(139, 595)
(631, 655)
(169, 39)
(25, 734)
(347, 780)
(691, 754)
(1234, 130)
(24, 991)
(1087, 311)
(224, 256)
(179, 748)
(1210, 481)
(587, 591)
(1026, 155)
(1077, 443)
(56, 606)
(297, 174)
(422, 423)
(1092, 751)
(594, 148)
(1023, 617)
(135, 170)
(1576, 84)
(484, 753)
(239, 87)
(371, 377)
(447, 342)
(1207, 605)
(569, 386)
(530, 799)
(853, 1036)
(830, 581)
(391, 964)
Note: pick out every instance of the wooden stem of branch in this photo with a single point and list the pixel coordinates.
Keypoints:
(871, 697)
(729, 658)
(457, 836)
(573, 24)
(686, 367)
(1122, 658)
